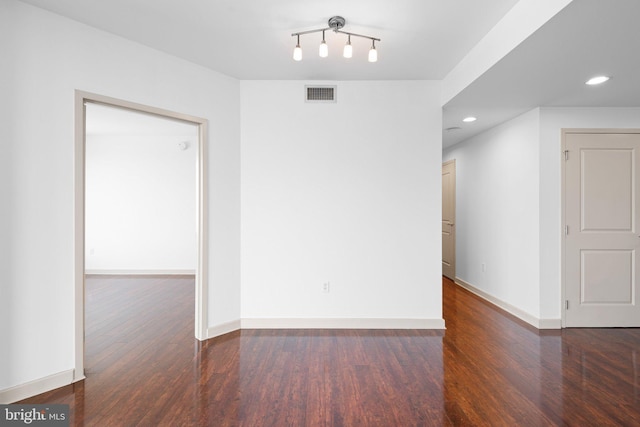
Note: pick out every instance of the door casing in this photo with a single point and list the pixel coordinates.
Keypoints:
(450, 166)
(201, 294)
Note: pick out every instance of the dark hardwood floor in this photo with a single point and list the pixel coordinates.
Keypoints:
(145, 368)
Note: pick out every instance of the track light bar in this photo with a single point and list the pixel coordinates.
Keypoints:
(336, 23)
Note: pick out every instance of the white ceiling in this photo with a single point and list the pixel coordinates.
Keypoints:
(549, 69)
(421, 40)
(251, 39)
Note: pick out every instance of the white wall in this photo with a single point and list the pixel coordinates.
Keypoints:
(140, 204)
(347, 193)
(49, 58)
(497, 219)
(7, 73)
(552, 121)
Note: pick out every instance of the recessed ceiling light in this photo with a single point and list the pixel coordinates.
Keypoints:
(469, 119)
(597, 80)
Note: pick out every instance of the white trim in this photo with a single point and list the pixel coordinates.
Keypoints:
(549, 324)
(225, 328)
(141, 272)
(622, 131)
(202, 234)
(35, 387)
(201, 291)
(79, 161)
(342, 323)
(563, 219)
(453, 226)
(515, 311)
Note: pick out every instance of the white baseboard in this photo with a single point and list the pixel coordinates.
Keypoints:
(520, 314)
(35, 387)
(550, 324)
(344, 323)
(225, 328)
(142, 272)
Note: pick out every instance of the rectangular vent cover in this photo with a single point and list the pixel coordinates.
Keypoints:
(320, 93)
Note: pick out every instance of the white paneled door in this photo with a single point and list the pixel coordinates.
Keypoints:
(449, 219)
(602, 239)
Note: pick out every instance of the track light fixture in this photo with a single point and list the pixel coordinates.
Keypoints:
(336, 23)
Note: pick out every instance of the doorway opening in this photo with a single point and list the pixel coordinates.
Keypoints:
(82, 100)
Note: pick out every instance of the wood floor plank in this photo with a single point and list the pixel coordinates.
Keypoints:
(144, 367)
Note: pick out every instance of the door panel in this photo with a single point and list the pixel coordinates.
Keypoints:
(607, 277)
(601, 214)
(607, 198)
(448, 219)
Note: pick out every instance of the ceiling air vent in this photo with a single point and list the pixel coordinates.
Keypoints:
(320, 93)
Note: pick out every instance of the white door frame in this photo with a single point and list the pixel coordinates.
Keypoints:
(201, 294)
(563, 195)
(453, 225)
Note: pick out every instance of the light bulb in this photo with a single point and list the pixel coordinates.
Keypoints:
(324, 49)
(297, 51)
(597, 80)
(348, 49)
(373, 54)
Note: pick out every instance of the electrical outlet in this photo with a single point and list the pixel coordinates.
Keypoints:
(326, 287)
(484, 267)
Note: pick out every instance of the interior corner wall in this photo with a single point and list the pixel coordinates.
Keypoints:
(345, 193)
(50, 57)
(497, 220)
(552, 121)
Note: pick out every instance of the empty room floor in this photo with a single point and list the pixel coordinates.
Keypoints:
(144, 367)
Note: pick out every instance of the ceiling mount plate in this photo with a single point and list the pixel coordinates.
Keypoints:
(336, 22)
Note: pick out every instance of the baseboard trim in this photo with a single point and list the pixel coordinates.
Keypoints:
(515, 311)
(35, 387)
(142, 272)
(550, 324)
(341, 323)
(224, 328)
(323, 323)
